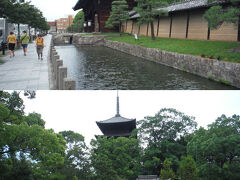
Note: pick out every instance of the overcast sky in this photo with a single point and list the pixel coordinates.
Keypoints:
(79, 110)
(55, 9)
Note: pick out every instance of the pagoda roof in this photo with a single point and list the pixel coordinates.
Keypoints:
(80, 4)
(117, 126)
(116, 119)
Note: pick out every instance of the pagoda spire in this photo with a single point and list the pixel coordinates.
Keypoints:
(117, 106)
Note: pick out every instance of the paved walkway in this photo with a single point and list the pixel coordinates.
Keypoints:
(26, 72)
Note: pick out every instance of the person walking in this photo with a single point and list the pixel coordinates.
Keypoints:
(40, 45)
(11, 40)
(24, 41)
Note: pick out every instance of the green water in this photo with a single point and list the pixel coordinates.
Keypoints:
(104, 68)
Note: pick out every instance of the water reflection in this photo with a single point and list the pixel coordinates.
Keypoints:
(105, 68)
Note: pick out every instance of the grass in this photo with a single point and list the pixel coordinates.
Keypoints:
(192, 47)
(100, 34)
(224, 81)
(1, 61)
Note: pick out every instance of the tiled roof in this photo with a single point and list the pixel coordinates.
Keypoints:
(184, 5)
(190, 4)
(116, 119)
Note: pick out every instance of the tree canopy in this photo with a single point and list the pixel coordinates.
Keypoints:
(219, 13)
(216, 150)
(78, 21)
(20, 12)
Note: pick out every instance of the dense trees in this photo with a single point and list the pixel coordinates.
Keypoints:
(164, 136)
(20, 12)
(26, 148)
(167, 144)
(115, 159)
(217, 150)
(76, 163)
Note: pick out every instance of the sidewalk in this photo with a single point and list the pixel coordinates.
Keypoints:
(26, 72)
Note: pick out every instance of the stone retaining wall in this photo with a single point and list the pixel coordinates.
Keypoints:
(224, 72)
(79, 40)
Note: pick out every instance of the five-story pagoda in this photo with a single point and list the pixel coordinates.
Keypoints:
(117, 126)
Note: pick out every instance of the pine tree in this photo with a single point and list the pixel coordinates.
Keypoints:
(167, 172)
(148, 10)
(118, 14)
(187, 168)
(218, 14)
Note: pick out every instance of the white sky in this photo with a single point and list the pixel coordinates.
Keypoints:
(55, 9)
(79, 110)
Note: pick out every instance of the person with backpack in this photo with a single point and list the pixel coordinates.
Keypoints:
(40, 45)
(24, 41)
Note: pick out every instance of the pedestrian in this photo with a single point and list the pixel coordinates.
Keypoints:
(24, 41)
(11, 40)
(40, 45)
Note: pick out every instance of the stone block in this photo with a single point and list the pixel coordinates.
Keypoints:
(69, 84)
(58, 64)
(62, 74)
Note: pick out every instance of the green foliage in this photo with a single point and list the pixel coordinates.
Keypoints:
(187, 168)
(166, 172)
(218, 14)
(16, 168)
(216, 150)
(78, 21)
(76, 165)
(34, 118)
(186, 46)
(163, 135)
(118, 14)
(27, 150)
(115, 159)
(23, 13)
(224, 81)
(167, 124)
(148, 10)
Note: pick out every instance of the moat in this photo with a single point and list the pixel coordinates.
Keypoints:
(104, 68)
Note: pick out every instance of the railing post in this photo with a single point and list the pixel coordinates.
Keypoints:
(62, 75)
(58, 64)
(69, 84)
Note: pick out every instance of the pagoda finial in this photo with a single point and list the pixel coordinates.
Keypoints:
(117, 105)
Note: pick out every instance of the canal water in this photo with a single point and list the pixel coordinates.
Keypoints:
(105, 68)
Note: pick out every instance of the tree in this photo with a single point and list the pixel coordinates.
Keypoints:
(167, 173)
(147, 10)
(219, 13)
(76, 162)
(115, 159)
(187, 168)
(25, 143)
(167, 124)
(118, 14)
(164, 137)
(78, 21)
(217, 150)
